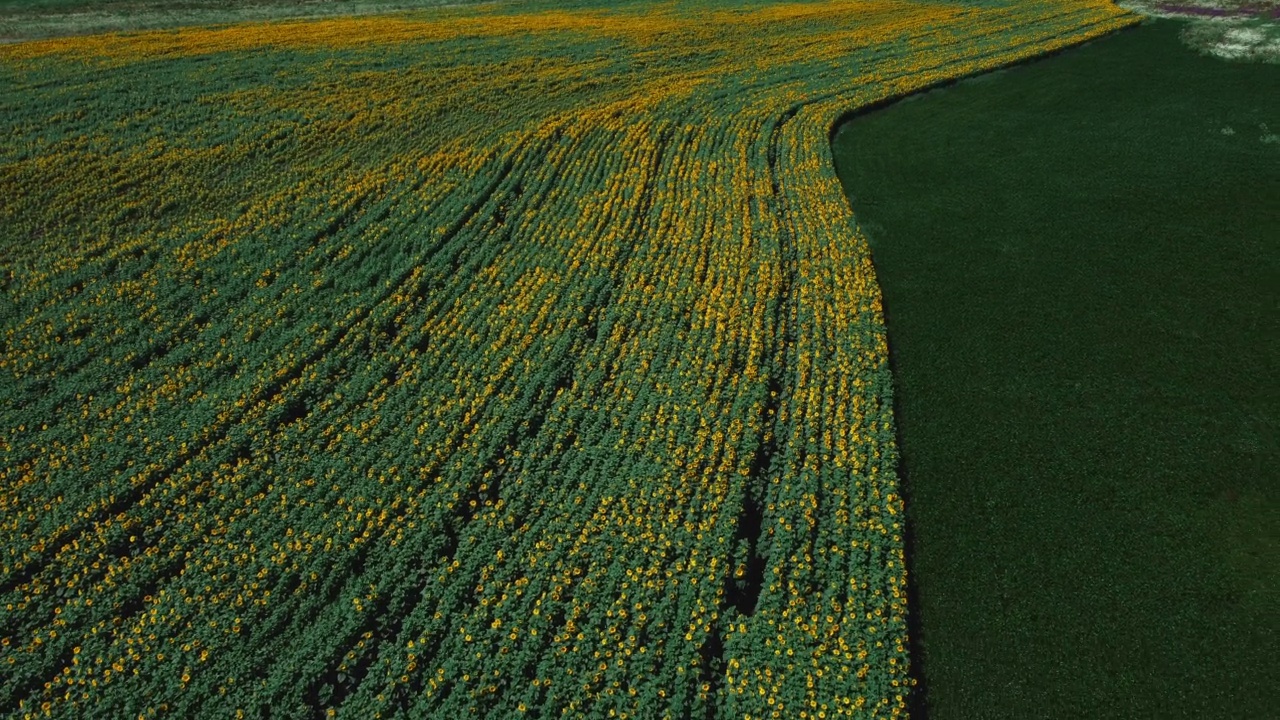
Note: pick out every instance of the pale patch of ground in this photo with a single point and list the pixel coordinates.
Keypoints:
(1240, 30)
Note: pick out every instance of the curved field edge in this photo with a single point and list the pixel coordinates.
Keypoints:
(392, 366)
(1084, 475)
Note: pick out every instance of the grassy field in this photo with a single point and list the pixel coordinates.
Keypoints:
(492, 361)
(1080, 262)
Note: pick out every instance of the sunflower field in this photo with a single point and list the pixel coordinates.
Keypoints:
(495, 361)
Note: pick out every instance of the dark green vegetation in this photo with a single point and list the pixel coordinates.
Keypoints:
(1080, 262)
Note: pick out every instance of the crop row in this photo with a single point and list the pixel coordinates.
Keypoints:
(497, 360)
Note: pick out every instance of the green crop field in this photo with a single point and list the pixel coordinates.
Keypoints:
(1081, 269)
(514, 360)
(30, 19)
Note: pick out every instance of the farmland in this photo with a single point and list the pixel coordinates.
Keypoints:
(498, 360)
(1080, 273)
(32, 19)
